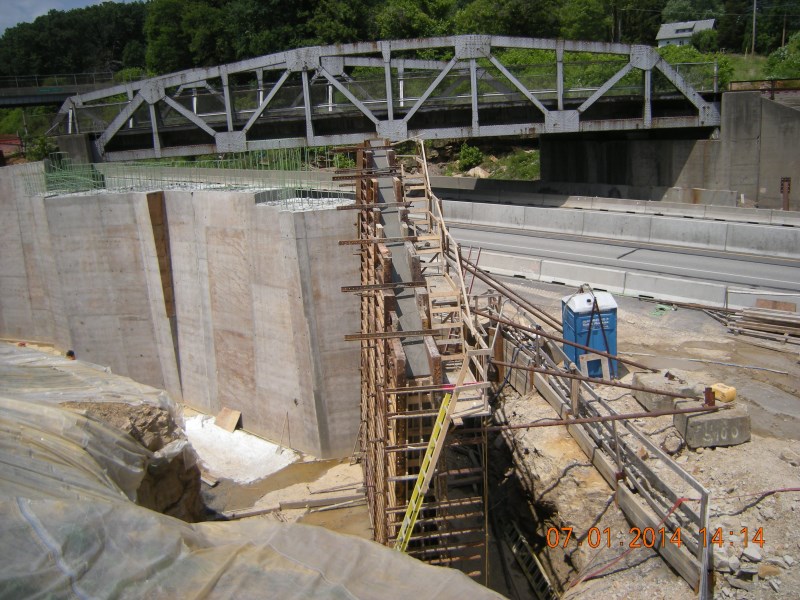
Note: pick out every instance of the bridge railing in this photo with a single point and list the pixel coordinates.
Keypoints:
(58, 80)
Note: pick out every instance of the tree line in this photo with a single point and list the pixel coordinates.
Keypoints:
(161, 36)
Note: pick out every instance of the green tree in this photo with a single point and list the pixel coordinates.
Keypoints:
(400, 19)
(734, 25)
(167, 43)
(690, 54)
(784, 63)
(340, 21)
(706, 40)
(79, 40)
(690, 10)
(586, 20)
(509, 17)
(469, 157)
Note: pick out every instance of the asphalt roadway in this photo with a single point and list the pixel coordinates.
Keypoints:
(712, 266)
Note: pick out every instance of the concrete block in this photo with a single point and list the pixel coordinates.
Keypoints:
(617, 226)
(764, 239)
(554, 219)
(673, 288)
(653, 401)
(611, 280)
(729, 427)
(688, 232)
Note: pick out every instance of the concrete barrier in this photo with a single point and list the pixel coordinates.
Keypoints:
(617, 205)
(511, 265)
(743, 298)
(554, 219)
(763, 239)
(672, 288)
(618, 226)
(579, 202)
(785, 218)
(610, 280)
(501, 215)
(458, 211)
(673, 209)
(689, 232)
(738, 215)
(669, 230)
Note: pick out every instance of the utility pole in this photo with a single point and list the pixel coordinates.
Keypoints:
(783, 37)
(753, 47)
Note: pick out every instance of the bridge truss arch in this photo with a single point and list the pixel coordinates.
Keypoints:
(444, 87)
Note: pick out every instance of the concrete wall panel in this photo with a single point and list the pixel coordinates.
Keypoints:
(111, 289)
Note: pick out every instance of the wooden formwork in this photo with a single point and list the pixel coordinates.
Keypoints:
(397, 410)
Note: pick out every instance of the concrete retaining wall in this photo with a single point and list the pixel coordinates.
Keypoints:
(258, 319)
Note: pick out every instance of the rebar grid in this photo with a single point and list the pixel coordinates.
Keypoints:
(292, 178)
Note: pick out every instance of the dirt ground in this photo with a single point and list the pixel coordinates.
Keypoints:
(740, 478)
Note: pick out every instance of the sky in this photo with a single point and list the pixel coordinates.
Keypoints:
(25, 11)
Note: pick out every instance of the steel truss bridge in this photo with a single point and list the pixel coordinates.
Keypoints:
(445, 87)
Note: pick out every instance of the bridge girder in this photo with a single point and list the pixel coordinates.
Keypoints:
(309, 96)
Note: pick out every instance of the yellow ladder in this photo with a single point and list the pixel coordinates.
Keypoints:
(428, 466)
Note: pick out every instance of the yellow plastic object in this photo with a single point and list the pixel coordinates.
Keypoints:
(724, 393)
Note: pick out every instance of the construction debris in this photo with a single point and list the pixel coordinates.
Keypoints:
(776, 325)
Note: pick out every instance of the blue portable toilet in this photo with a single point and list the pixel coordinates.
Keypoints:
(590, 319)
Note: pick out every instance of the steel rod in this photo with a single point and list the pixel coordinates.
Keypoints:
(486, 278)
(559, 339)
(600, 419)
(367, 242)
(627, 386)
(388, 335)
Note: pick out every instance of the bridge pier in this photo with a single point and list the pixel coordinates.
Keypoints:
(754, 150)
(78, 146)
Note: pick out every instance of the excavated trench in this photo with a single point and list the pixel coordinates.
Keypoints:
(512, 500)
